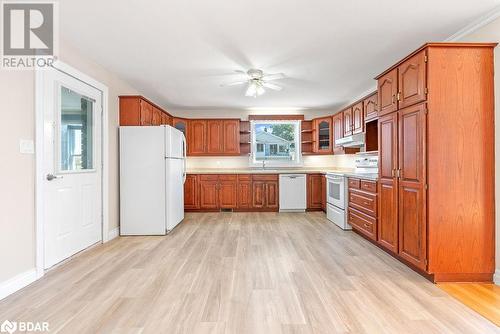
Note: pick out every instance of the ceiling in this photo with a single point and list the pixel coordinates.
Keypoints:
(178, 52)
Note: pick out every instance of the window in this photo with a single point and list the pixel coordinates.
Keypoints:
(275, 142)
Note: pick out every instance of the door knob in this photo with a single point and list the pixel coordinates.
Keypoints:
(51, 177)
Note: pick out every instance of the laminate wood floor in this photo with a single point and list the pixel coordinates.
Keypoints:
(241, 273)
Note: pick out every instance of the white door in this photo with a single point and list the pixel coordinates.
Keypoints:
(71, 166)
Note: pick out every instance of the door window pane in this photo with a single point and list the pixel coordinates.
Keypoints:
(76, 132)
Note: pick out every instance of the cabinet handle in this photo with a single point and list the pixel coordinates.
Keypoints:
(393, 99)
(366, 203)
(399, 96)
(393, 173)
(366, 225)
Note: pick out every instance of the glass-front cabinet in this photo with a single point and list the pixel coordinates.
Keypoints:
(323, 135)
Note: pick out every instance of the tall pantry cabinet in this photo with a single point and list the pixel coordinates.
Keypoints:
(436, 168)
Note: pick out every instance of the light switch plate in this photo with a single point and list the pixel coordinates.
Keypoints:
(26, 146)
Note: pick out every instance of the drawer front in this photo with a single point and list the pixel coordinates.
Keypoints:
(244, 177)
(265, 177)
(209, 177)
(364, 202)
(370, 186)
(353, 183)
(228, 177)
(363, 223)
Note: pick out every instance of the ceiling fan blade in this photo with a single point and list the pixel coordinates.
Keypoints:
(271, 86)
(234, 83)
(276, 76)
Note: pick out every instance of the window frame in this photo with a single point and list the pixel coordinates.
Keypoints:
(297, 162)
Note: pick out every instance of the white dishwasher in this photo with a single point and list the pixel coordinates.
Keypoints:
(293, 193)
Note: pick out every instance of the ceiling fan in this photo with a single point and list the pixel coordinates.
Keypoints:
(257, 82)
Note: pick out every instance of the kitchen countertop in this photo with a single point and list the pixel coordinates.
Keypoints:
(304, 170)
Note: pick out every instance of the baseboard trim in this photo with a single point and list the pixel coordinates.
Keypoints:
(114, 233)
(17, 282)
(496, 277)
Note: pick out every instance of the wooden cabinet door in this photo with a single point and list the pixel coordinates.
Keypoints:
(388, 183)
(314, 191)
(231, 131)
(245, 193)
(412, 80)
(197, 140)
(323, 192)
(156, 120)
(146, 113)
(258, 194)
(370, 108)
(358, 122)
(209, 195)
(191, 199)
(164, 119)
(323, 134)
(228, 191)
(412, 179)
(347, 122)
(271, 194)
(387, 92)
(214, 137)
(338, 130)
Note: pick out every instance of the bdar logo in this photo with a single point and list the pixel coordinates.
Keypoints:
(8, 327)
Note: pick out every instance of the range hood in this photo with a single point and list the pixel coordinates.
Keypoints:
(356, 140)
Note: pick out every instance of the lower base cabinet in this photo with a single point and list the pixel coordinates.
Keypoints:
(362, 209)
(315, 192)
(242, 192)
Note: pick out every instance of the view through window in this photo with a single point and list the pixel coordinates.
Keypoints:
(276, 141)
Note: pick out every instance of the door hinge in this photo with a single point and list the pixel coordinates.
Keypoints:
(426, 90)
(426, 262)
(398, 96)
(425, 59)
(426, 186)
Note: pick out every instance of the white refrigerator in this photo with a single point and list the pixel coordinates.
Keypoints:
(152, 175)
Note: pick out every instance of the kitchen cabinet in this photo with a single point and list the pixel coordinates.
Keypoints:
(231, 136)
(265, 191)
(197, 137)
(215, 137)
(228, 191)
(166, 119)
(136, 110)
(370, 111)
(348, 122)
(244, 191)
(358, 123)
(412, 80)
(191, 197)
(421, 155)
(314, 191)
(388, 182)
(323, 135)
(156, 116)
(338, 131)
(387, 88)
(323, 193)
(209, 191)
(362, 206)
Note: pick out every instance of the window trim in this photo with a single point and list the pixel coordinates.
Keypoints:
(297, 162)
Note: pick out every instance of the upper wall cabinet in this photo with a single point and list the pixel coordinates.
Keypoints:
(387, 92)
(212, 137)
(323, 135)
(404, 85)
(358, 124)
(138, 111)
(338, 131)
(348, 125)
(370, 111)
(412, 80)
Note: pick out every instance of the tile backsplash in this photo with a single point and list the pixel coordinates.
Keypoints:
(338, 161)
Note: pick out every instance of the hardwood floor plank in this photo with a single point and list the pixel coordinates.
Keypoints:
(243, 273)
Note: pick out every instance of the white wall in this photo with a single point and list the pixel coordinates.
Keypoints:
(17, 193)
(339, 161)
(491, 33)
